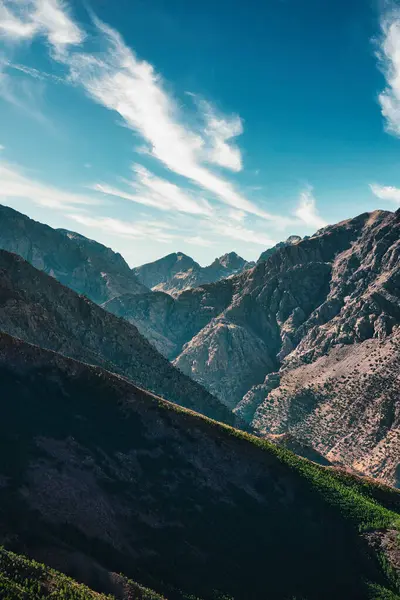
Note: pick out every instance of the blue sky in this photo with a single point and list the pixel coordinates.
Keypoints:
(155, 126)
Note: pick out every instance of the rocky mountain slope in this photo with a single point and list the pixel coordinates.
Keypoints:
(346, 404)
(241, 336)
(164, 269)
(177, 272)
(84, 265)
(292, 239)
(37, 308)
(97, 476)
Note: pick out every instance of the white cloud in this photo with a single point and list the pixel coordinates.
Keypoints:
(121, 82)
(197, 240)
(237, 215)
(53, 19)
(2, 147)
(14, 184)
(307, 212)
(386, 192)
(156, 192)
(35, 73)
(11, 26)
(389, 56)
(237, 232)
(27, 18)
(219, 131)
(157, 230)
(116, 79)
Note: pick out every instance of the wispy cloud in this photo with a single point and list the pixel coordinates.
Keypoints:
(22, 21)
(35, 73)
(193, 146)
(121, 82)
(14, 184)
(386, 192)
(219, 132)
(28, 18)
(12, 26)
(389, 60)
(22, 93)
(157, 192)
(237, 232)
(157, 230)
(307, 212)
(197, 240)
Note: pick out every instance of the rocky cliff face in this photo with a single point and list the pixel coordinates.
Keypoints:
(99, 476)
(37, 308)
(340, 287)
(345, 405)
(177, 272)
(84, 265)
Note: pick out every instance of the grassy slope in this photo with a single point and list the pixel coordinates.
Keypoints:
(286, 527)
(25, 579)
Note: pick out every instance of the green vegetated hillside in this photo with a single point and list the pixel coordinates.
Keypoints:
(23, 579)
(100, 477)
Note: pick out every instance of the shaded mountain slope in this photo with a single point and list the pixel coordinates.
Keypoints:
(37, 308)
(177, 272)
(24, 579)
(105, 471)
(171, 322)
(84, 265)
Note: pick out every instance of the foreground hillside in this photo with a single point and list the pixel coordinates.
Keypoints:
(37, 308)
(97, 475)
(84, 265)
(24, 579)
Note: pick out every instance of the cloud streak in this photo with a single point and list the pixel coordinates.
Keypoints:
(157, 192)
(158, 231)
(389, 61)
(307, 212)
(14, 184)
(49, 18)
(386, 192)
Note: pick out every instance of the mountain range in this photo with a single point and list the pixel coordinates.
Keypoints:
(84, 265)
(123, 456)
(250, 338)
(326, 299)
(177, 272)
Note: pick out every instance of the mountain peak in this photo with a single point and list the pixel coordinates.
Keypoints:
(292, 239)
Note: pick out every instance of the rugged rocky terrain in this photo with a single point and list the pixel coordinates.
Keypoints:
(177, 272)
(97, 476)
(251, 339)
(346, 405)
(37, 308)
(292, 239)
(240, 337)
(84, 265)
